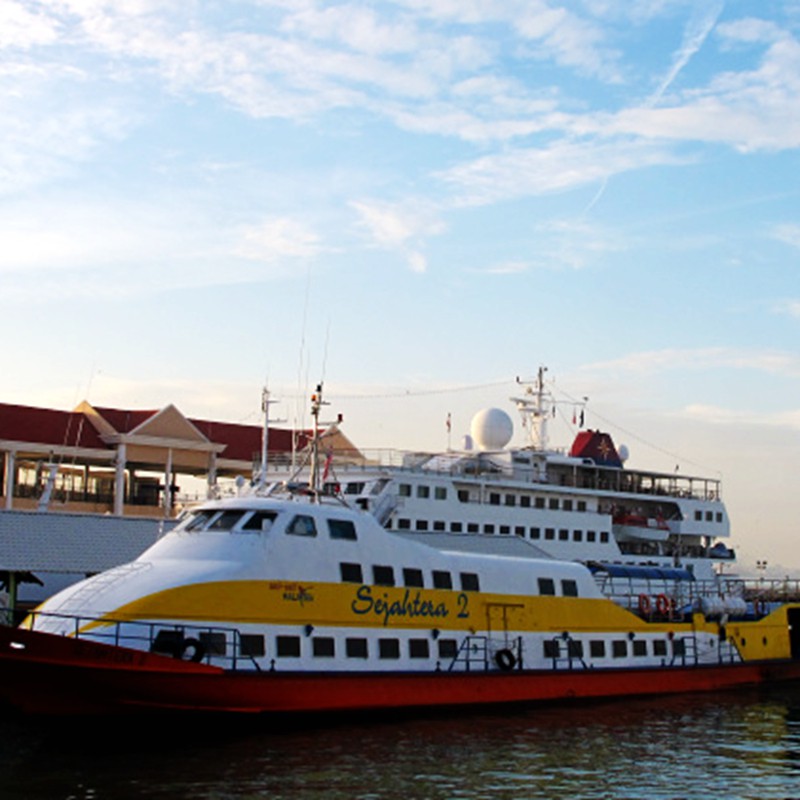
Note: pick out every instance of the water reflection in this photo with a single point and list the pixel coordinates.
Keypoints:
(726, 745)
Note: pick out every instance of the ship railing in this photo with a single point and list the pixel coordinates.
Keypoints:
(485, 652)
(570, 658)
(224, 646)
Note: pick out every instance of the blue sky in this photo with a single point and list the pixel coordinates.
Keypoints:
(416, 201)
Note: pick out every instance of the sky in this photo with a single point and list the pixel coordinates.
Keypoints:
(416, 203)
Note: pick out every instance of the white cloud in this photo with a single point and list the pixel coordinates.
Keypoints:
(22, 28)
(788, 233)
(393, 225)
(277, 238)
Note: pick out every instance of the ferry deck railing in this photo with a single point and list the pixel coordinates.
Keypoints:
(195, 642)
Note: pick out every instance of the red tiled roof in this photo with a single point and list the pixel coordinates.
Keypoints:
(244, 441)
(47, 426)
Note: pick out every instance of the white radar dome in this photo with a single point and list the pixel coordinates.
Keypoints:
(623, 452)
(491, 429)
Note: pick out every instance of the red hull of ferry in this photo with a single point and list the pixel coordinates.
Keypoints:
(46, 674)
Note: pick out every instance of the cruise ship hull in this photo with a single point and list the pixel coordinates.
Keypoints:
(42, 673)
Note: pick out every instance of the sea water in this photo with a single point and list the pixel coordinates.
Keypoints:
(728, 745)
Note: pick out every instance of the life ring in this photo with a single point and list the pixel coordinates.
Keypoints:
(645, 605)
(191, 650)
(662, 605)
(505, 659)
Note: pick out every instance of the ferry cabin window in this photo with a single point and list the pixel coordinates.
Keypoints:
(591, 536)
(678, 647)
(535, 533)
(225, 521)
(404, 490)
(440, 493)
(525, 501)
(251, 645)
(597, 648)
(456, 527)
(577, 536)
(404, 524)
(422, 525)
(604, 536)
(351, 573)
(423, 491)
(463, 496)
(519, 530)
(547, 586)
(341, 529)
(549, 533)
(287, 646)
(382, 575)
(488, 528)
(302, 525)
(563, 535)
(575, 648)
(472, 527)
(659, 647)
(709, 516)
(356, 648)
(539, 502)
(569, 588)
(442, 580)
(388, 648)
(412, 577)
(469, 582)
(553, 504)
(214, 643)
(438, 525)
(619, 648)
(418, 648)
(639, 647)
(323, 647)
(581, 505)
(505, 530)
(260, 521)
(511, 500)
(354, 488)
(494, 499)
(567, 505)
(447, 648)
(719, 516)
(552, 648)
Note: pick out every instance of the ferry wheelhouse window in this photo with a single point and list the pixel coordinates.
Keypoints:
(225, 521)
(569, 588)
(442, 579)
(287, 646)
(351, 573)
(469, 582)
(440, 493)
(547, 586)
(302, 525)
(404, 490)
(388, 648)
(412, 577)
(197, 520)
(259, 521)
(382, 575)
(597, 648)
(356, 648)
(619, 648)
(341, 529)
(323, 647)
(251, 645)
(418, 648)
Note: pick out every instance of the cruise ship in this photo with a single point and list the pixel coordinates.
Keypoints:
(485, 576)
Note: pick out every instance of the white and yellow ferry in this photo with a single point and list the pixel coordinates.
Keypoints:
(286, 600)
